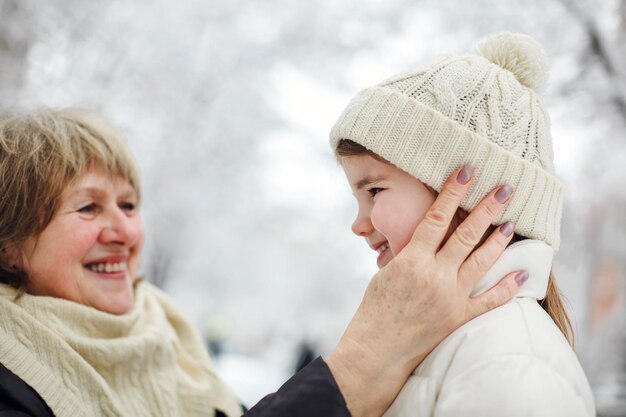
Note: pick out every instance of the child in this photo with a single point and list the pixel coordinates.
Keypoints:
(397, 142)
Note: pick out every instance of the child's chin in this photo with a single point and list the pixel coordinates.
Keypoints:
(385, 259)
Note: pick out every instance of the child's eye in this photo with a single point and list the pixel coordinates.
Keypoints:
(374, 190)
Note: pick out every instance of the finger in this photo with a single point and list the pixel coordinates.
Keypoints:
(471, 230)
(483, 258)
(496, 296)
(432, 229)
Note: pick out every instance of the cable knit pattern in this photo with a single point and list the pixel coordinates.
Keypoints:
(466, 109)
(84, 362)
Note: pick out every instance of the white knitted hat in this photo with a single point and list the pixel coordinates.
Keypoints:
(480, 109)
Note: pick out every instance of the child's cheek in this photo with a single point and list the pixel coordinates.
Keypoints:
(379, 219)
(393, 223)
(403, 225)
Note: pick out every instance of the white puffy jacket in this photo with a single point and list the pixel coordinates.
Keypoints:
(511, 361)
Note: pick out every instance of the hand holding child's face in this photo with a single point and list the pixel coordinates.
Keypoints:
(391, 203)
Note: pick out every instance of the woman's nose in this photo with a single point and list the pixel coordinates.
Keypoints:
(362, 225)
(120, 228)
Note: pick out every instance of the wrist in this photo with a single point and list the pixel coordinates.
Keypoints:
(368, 381)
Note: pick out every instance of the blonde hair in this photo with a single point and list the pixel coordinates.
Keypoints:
(552, 302)
(41, 153)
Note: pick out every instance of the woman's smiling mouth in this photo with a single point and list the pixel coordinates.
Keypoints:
(107, 267)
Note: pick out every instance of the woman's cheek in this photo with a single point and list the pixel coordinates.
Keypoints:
(137, 245)
(139, 233)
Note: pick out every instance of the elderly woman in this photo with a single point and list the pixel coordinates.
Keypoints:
(80, 335)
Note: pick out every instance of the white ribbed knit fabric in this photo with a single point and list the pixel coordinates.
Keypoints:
(84, 362)
(469, 109)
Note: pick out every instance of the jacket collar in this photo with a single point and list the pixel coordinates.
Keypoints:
(533, 256)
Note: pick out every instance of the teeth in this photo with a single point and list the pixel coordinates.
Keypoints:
(108, 267)
(382, 247)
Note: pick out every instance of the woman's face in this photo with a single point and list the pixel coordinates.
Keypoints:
(88, 253)
(391, 203)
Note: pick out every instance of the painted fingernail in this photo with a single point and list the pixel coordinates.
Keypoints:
(465, 174)
(506, 229)
(521, 278)
(503, 194)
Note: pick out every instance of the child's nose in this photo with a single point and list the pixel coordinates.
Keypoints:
(362, 226)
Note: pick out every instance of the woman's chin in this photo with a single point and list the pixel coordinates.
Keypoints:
(116, 304)
(118, 309)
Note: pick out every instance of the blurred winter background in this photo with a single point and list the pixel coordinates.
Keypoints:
(227, 104)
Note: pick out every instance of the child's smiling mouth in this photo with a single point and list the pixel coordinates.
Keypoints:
(382, 249)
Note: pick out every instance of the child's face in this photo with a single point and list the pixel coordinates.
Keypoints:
(391, 203)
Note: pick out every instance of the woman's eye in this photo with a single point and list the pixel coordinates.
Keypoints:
(88, 209)
(374, 190)
(128, 206)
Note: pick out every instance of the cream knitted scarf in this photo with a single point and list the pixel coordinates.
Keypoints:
(84, 362)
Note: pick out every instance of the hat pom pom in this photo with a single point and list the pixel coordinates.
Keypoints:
(520, 54)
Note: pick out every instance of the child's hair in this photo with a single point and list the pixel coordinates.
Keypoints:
(552, 303)
(41, 153)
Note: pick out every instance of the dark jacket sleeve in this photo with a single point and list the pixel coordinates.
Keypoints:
(312, 392)
(18, 399)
